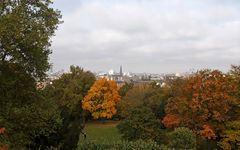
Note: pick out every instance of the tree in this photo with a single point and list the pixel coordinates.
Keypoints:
(101, 99)
(183, 138)
(25, 109)
(234, 75)
(68, 91)
(25, 31)
(147, 95)
(203, 103)
(134, 98)
(230, 136)
(141, 123)
(3, 145)
(125, 88)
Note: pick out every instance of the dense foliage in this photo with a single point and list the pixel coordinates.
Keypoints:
(147, 95)
(206, 103)
(203, 103)
(231, 136)
(69, 91)
(123, 145)
(102, 99)
(125, 88)
(25, 31)
(182, 138)
(140, 124)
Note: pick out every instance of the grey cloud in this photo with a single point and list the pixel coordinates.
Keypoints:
(149, 36)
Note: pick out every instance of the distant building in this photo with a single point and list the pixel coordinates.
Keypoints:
(112, 75)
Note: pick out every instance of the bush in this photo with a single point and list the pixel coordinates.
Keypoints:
(182, 138)
(88, 145)
(206, 144)
(122, 145)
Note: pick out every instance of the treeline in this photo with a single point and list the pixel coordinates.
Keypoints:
(200, 111)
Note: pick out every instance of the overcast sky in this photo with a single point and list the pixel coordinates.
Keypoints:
(147, 35)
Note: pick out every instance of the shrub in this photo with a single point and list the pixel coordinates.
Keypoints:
(230, 137)
(122, 145)
(182, 138)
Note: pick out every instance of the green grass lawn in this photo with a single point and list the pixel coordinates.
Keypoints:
(99, 132)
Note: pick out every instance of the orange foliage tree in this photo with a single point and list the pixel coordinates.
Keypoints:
(2, 145)
(102, 99)
(203, 103)
(171, 121)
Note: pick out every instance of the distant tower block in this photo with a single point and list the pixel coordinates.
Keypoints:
(121, 73)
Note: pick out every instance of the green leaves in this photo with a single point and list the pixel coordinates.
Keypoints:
(26, 27)
(68, 92)
(182, 138)
(25, 31)
(140, 124)
(230, 136)
(70, 89)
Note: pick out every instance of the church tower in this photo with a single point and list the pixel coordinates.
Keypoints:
(121, 73)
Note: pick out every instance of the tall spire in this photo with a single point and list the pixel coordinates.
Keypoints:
(121, 73)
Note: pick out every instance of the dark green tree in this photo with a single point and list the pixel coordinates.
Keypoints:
(125, 88)
(26, 27)
(25, 112)
(182, 138)
(234, 74)
(134, 98)
(154, 98)
(140, 124)
(68, 92)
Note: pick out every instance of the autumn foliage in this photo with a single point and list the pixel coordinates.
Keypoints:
(2, 130)
(202, 104)
(2, 145)
(102, 99)
(171, 121)
(207, 132)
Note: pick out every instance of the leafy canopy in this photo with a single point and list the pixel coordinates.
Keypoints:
(141, 123)
(183, 138)
(102, 99)
(68, 92)
(203, 103)
(26, 27)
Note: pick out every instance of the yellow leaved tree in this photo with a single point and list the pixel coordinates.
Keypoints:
(101, 99)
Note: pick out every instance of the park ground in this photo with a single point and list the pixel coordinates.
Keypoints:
(101, 132)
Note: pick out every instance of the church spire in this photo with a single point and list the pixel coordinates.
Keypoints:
(121, 73)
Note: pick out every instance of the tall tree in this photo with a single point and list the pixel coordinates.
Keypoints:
(102, 99)
(68, 91)
(25, 31)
